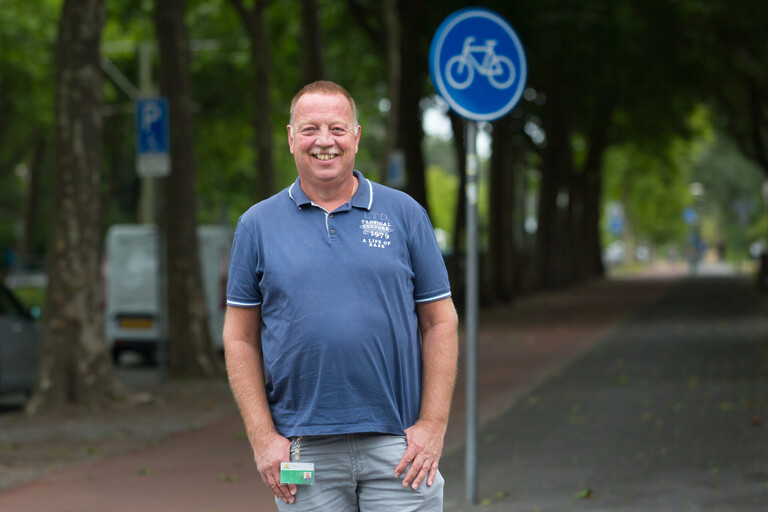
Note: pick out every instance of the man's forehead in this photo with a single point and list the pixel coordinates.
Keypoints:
(320, 103)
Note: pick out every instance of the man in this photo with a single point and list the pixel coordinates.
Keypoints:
(338, 292)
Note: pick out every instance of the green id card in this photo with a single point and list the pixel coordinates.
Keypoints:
(297, 473)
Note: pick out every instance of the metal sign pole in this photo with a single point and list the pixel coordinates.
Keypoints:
(162, 283)
(485, 95)
(471, 302)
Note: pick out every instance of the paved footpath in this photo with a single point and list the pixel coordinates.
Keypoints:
(643, 390)
(667, 413)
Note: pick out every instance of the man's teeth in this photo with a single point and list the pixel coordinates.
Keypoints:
(325, 156)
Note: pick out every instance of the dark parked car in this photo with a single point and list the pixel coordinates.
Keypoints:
(19, 344)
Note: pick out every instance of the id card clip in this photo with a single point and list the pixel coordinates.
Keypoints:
(297, 473)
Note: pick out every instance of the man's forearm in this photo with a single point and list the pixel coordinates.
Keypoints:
(439, 361)
(440, 355)
(439, 352)
(246, 379)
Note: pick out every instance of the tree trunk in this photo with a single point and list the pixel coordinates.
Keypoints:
(576, 226)
(551, 247)
(458, 254)
(312, 63)
(75, 367)
(758, 126)
(31, 203)
(502, 254)
(394, 74)
(191, 353)
(591, 256)
(255, 24)
(410, 130)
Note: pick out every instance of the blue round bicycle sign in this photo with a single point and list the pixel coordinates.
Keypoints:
(478, 64)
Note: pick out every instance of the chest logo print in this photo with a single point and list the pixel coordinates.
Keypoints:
(376, 231)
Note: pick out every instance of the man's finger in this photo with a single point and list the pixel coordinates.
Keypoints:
(280, 491)
(421, 474)
(407, 458)
(416, 468)
(285, 494)
(432, 474)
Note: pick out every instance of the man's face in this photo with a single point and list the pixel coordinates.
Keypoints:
(324, 139)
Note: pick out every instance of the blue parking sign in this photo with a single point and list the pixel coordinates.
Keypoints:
(478, 64)
(152, 137)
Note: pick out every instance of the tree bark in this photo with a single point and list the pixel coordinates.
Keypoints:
(502, 254)
(410, 130)
(75, 367)
(576, 225)
(256, 28)
(758, 126)
(551, 237)
(394, 74)
(456, 266)
(191, 352)
(312, 63)
(591, 247)
(32, 201)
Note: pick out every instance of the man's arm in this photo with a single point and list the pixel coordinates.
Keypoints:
(242, 349)
(438, 324)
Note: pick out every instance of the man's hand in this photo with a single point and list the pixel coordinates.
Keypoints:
(273, 449)
(425, 445)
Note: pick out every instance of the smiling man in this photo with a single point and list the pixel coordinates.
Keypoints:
(340, 334)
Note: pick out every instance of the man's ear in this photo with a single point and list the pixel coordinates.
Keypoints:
(290, 137)
(357, 137)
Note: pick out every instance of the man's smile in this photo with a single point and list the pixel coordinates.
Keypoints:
(324, 156)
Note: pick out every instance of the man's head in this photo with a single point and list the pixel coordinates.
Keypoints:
(323, 87)
(323, 134)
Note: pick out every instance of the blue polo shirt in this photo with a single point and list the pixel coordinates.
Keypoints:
(338, 294)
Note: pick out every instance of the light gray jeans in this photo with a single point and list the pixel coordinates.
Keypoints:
(356, 472)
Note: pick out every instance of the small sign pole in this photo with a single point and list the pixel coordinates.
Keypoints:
(471, 303)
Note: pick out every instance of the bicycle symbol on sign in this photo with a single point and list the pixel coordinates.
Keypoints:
(460, 69)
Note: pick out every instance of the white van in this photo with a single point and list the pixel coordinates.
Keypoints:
(131, 288)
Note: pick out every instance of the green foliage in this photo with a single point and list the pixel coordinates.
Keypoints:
(443, 187)
(653, 190)
(649, 63)
(31, 296)
(27, 75)
(223, 87)
(732, 197)
(653, 184)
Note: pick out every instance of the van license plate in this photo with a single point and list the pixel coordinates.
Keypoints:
(137, 323)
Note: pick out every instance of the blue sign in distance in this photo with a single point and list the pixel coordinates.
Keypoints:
(616, 225)
(152, 137)
(478, 64)
(690, 216)
(152, 125)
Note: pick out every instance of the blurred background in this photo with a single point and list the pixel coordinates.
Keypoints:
(641, 139)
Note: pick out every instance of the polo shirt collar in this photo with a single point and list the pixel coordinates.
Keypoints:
(363, 197)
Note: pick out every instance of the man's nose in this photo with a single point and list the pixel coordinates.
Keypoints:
(324, 135)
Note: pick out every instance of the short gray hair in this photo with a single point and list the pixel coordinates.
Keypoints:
(324, 87)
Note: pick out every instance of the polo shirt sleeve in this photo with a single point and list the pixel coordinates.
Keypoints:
(243, 283)
(430, 275)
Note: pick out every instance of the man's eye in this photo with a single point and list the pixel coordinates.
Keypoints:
(307, 131)
(338, 131)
